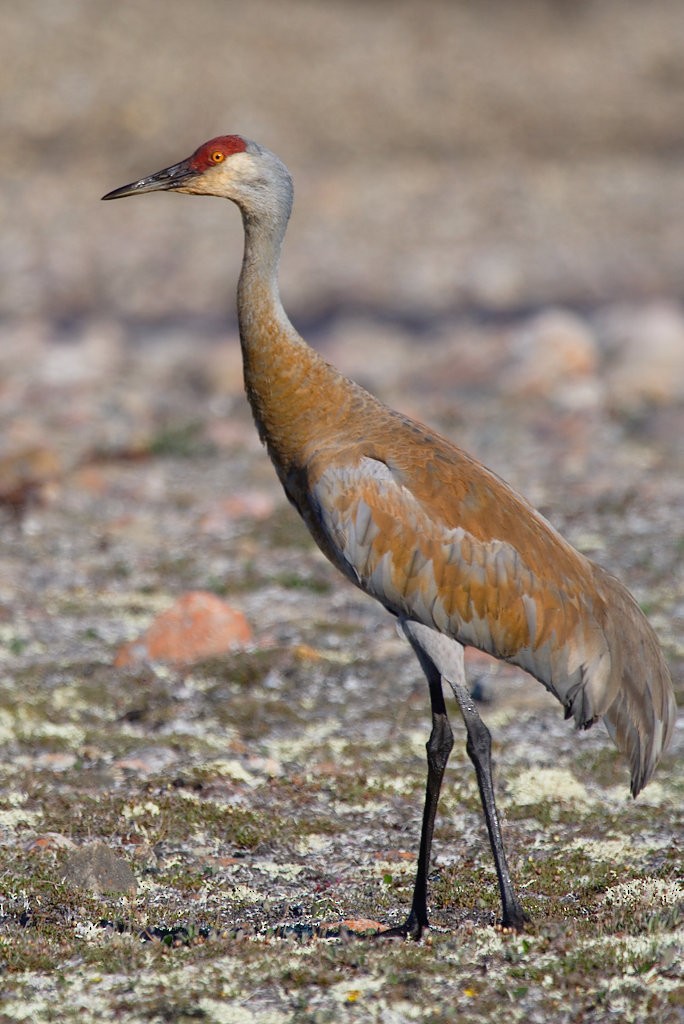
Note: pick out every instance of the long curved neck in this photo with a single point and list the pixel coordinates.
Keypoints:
(260, 311)
(282, 373)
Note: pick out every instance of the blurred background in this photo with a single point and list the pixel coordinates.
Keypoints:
(447, 156)
(487, 232)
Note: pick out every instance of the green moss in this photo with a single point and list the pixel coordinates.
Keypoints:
(243, 668)
(466, 891)
(295, 581)
(159, 814)
(182, 440)
(284, 530)
(604, 766)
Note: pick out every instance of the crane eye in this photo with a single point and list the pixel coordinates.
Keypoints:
(217, 157)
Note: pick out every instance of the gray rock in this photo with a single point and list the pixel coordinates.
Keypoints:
(97, 868)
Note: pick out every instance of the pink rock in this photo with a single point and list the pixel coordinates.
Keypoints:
(555, 356)
(197, 626)
(646, 347)
(254, 505)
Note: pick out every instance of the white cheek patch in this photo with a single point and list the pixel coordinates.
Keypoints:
(241, 165)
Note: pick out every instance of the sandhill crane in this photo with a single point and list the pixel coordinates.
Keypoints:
(445, 545)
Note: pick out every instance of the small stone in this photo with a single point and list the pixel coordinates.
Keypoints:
(350, 926)
(49, 842)
(555, 356)
(645, 350)
(256, 506)
(98, 869)
(199, 625)
(362, 926)
(394, 855)
(27, 475)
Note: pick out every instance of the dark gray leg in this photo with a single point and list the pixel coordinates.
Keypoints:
(438, 749)
(441, 658)
(479, 750)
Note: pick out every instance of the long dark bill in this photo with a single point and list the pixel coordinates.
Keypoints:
(170, 178)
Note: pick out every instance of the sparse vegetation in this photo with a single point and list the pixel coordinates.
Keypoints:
(269, 822)
(516, 159)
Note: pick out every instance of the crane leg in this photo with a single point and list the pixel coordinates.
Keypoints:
(441, 659)
(479, 750)
(438, 749)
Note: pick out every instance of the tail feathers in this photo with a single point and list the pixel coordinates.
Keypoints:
(642, 715)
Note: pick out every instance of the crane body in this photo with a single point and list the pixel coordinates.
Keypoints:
(415, 522)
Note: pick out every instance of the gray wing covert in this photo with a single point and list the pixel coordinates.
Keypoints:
(479, 591)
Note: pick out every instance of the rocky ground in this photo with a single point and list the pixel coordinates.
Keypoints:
(488, 235)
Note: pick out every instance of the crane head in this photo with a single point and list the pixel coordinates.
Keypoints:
(228, 166)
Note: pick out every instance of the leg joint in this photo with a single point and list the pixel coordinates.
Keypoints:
(479, 743)
(440, 743)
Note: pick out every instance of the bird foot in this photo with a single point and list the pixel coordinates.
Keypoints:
(514, 920)
(410, 929)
